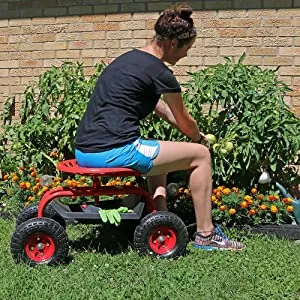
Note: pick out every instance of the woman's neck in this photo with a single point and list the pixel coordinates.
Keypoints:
(154, 49)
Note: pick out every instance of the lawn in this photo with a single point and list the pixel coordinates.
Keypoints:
(268, 269)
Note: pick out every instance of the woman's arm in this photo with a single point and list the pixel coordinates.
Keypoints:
(173, 110)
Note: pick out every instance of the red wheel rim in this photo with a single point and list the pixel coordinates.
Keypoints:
(40, 247)
(162, 239)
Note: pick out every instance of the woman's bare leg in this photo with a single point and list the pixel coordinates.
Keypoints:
(157, 188)
(175, 156)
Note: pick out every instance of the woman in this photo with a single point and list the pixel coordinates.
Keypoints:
(127, 91)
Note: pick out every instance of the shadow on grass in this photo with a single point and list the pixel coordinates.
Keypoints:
(105, 239)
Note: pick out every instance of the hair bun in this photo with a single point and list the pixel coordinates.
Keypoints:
(185, 12)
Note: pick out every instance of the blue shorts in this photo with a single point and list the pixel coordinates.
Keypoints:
(137, 155)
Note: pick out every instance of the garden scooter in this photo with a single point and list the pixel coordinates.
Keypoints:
(40, 236)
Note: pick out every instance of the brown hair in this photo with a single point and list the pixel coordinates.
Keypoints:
(176, 23)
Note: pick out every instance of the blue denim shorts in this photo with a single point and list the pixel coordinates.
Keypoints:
(137, 155)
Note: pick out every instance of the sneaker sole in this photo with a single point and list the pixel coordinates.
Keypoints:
(210, 248)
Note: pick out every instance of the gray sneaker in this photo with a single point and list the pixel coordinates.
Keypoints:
(217, 240)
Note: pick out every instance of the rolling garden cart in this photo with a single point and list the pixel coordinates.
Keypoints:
(40, 236)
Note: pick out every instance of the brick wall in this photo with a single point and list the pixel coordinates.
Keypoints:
(39, 34)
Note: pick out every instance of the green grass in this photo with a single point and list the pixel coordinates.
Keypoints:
(267, 269)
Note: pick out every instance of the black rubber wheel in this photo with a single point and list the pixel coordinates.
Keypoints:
(31, 211)
(161, 234)
(39, 241)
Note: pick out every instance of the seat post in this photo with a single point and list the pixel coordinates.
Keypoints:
(96, 185)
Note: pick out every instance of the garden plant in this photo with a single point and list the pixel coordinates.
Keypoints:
(241, 108)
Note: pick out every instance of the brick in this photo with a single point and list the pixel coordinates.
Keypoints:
(20, 72)
(208, 14)
(253, 60)
(216, 23)
(256, 32)
(10, 81)
(277, 61)
(3, 23)
(92, 18)
(31, 63)
(25, 81)
(43, 21)
(276, 22)
(19, 22)
(289, 31)
(261, 13)
(47, 63)
(11, 30)
(31, 46)
(296, 81)
(149, 16)
(247, 42)
(286, 79)
(150, 24)
(180, 70)
(190, 61)
(80, 44)
(25, 38)
(94, 53)
(207, 32)
(292, 12)
(218, 42)
(43, 54)
(9, 64)
(67, 19)
(4, 73)
(43, 37)
(289, 71)
(56, 28)
(275, 41)
(201, 51)
(112, 35)
(106, 9)
(297, 61)
(296, 21)
(112, 53)
(262, 51)
(137, 43)
(246, 22)
(232, 51)
(297, 41)
(32, 29)
(231, 14)
(232, 32)
(80, 10)
(211, 61)
(67, 36)
(104, 44)
(289, 51)
(141, 34)
(107, 26)
(69, 2)
(55, 45)
(9, 47)
(118, 17)
(3, 39)
(132, 25)
(67, 54)
(77, 27)
(91, 35)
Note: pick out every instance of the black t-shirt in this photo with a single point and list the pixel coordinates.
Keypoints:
(126, 92)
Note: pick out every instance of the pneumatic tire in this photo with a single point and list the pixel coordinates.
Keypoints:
(39, 241)
(31, 211)
(161, 234)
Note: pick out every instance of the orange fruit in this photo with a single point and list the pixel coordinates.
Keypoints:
(22, 168)
(186, 191)
(232, 211)
(252, 212)
(222, 207)
(22, 185)
(247, 198)
(254, 191)
(37, 179)
(180, 190)
(83, 179)
(276, 197)
(220, 188)
(263, 207)
(45, 189)
(219, 195)
(128, 183)
(5, 177)
(215, 191)
(15, 178)
(28, 185)
(35, 188)
(244, 204)
(250, 202)
(40, 193)
(235, 189)
(274, 209)
(33, 174)
(213, 198)
(290, 208)
(31, 169)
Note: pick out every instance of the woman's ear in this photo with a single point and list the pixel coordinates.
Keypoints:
(173, 43)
